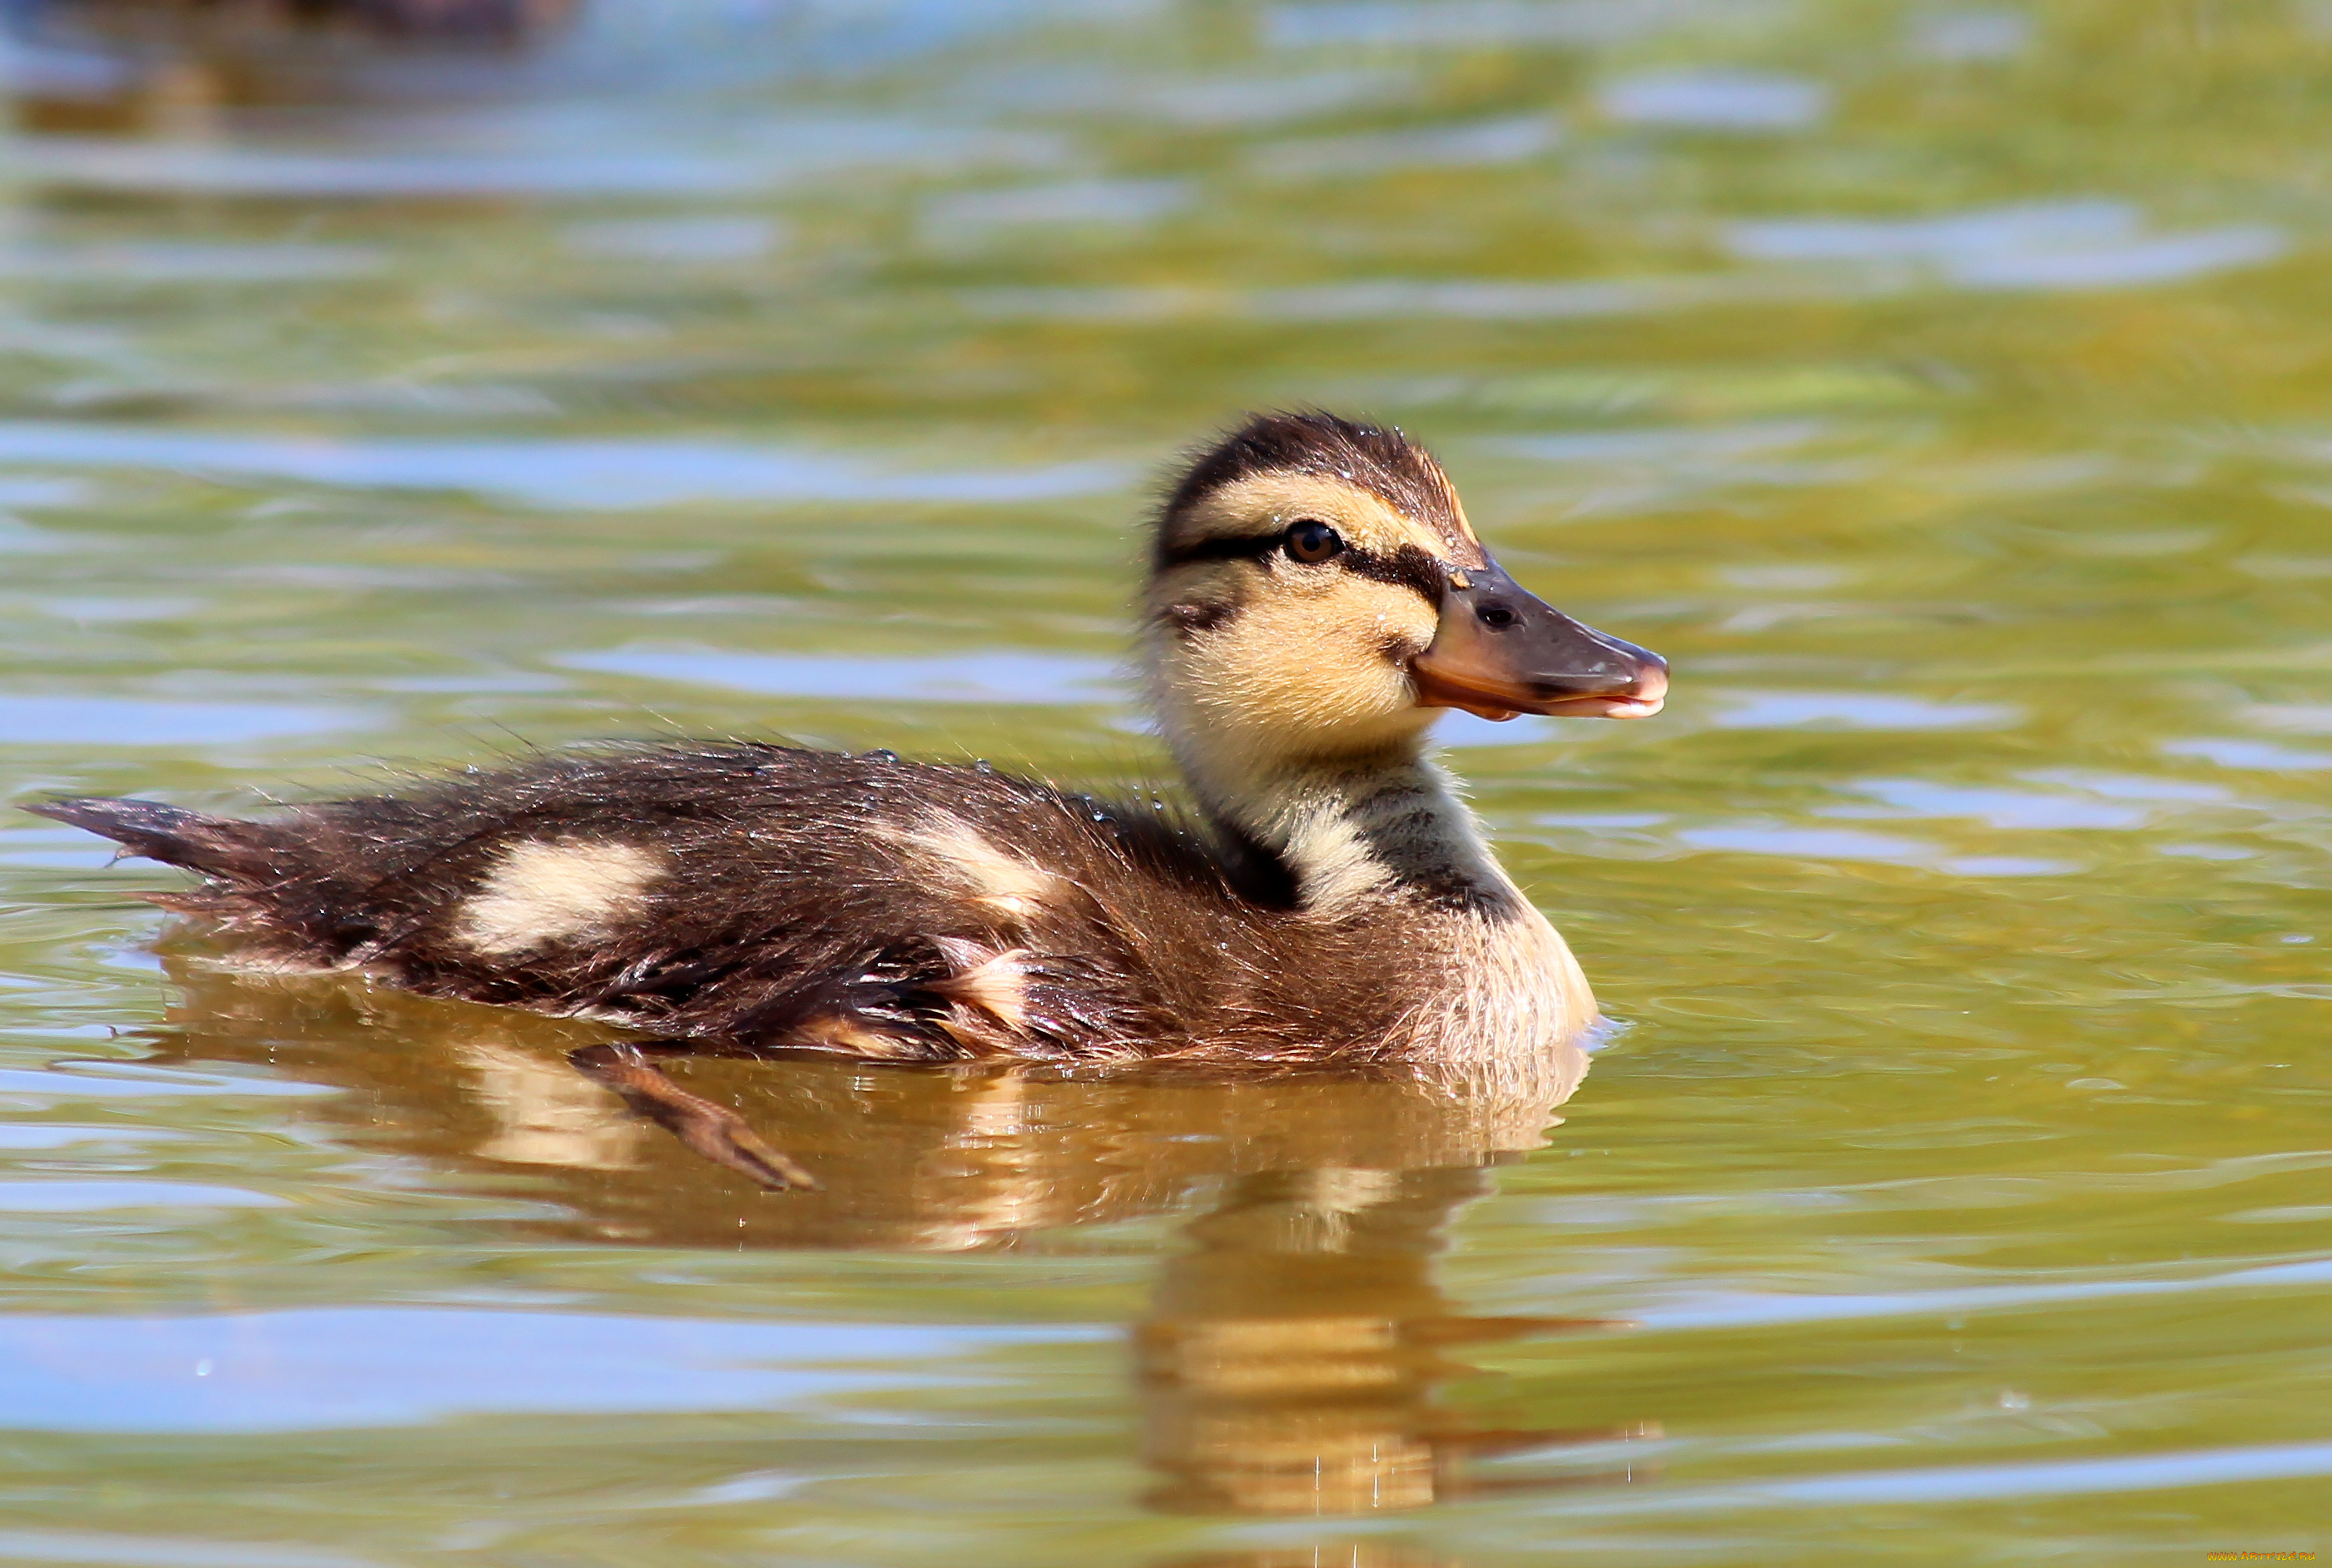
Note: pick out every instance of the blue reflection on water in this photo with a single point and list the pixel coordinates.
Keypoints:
(391, 1366)
(587, 475)
(2041, 245)
(90, 721)
(1858, 710)
(1026, 679)
(1711, 100)
(2259, 756)
(1999, 807)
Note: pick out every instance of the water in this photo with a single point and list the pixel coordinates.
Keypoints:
(1943, 390)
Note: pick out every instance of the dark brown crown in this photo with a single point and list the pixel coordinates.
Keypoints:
(1379, 459)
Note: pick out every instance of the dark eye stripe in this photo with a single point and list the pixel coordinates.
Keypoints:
(1408, 566)
(1224, 549)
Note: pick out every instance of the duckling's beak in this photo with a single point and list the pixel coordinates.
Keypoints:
(1500, 651)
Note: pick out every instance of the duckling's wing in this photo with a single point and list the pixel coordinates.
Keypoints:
(748, 892)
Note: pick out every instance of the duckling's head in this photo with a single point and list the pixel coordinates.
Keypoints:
(1317, 594)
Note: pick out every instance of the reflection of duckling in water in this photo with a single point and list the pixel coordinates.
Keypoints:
(1298, 1349)
(1291, 1362)
(1315, 593)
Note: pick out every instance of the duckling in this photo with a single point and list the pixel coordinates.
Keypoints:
(1315, 597)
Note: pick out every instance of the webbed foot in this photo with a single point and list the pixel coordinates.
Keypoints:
(714, 1131)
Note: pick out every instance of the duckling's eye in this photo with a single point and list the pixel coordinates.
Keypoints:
(1312, 541)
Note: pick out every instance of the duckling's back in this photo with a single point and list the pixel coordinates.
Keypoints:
(778, 896)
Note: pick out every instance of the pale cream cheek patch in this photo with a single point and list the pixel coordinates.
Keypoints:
(1310, 662)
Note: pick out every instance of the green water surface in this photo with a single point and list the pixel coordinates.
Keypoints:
(1946, 391)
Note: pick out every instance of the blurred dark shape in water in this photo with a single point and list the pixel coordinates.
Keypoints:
(171, 67)
(1292, 1359)
(181, 67)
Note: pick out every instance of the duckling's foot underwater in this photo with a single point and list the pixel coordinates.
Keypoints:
(715, 1131)
(1315, 596)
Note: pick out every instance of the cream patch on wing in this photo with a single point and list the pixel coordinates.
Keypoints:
(546, 892)
(995, 983)
(1010, 884)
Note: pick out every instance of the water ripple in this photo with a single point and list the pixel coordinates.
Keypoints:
(584, 475)
(1031, 679)
(359, 1366)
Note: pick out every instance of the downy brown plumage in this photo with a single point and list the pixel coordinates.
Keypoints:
(1315, 594)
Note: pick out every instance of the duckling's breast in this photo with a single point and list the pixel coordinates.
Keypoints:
(1523, 990)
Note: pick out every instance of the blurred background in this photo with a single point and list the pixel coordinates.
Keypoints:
(1947, 390)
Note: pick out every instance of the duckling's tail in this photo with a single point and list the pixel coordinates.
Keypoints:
(237, 852)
